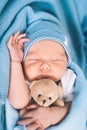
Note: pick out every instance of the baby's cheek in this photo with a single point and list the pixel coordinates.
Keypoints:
(28, 75)
(60, 72)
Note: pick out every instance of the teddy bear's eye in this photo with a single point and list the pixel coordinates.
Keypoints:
(39, 95)
(50, 98)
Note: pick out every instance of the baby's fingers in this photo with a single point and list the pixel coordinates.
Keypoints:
(34, 126)
(25, 121)
(16, 35)
(20, 36)
(9, 44)
(23, 40)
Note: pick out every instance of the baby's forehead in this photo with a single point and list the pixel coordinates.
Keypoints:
(46, 47)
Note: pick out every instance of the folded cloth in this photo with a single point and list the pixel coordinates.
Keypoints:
(12, 117)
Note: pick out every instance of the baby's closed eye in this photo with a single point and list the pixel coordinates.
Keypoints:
(33, 60)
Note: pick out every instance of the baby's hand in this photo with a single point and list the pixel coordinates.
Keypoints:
(15, 46)
(37, 118)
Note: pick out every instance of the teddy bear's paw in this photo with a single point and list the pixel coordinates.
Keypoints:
(59, 102)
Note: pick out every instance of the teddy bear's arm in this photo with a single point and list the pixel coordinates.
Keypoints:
(60, 91)
(59, 102)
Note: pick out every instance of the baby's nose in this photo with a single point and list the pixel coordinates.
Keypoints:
(45, 66)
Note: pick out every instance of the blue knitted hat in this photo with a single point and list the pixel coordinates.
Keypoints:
(45, 30)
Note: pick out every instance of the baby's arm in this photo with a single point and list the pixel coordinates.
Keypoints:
(18, 94)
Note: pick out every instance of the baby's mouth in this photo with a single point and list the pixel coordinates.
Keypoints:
(45, 77)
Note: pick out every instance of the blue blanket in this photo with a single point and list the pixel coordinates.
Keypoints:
(17, 15)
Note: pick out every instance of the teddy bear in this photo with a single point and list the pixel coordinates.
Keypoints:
(45, 92)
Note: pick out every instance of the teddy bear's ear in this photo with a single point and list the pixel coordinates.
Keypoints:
(60, 90)
(32, 84)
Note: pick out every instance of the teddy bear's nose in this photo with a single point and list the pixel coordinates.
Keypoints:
(44, 101)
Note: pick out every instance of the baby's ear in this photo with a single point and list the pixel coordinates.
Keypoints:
(32, 84)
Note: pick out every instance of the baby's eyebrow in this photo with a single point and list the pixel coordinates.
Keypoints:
(35, 55)
(63, 54)
(32, 53)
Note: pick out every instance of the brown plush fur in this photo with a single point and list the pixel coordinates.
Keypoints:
(45, 92)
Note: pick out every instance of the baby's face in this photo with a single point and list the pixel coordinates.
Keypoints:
(45, 59)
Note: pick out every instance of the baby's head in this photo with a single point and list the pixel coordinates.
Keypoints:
(45, 55)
